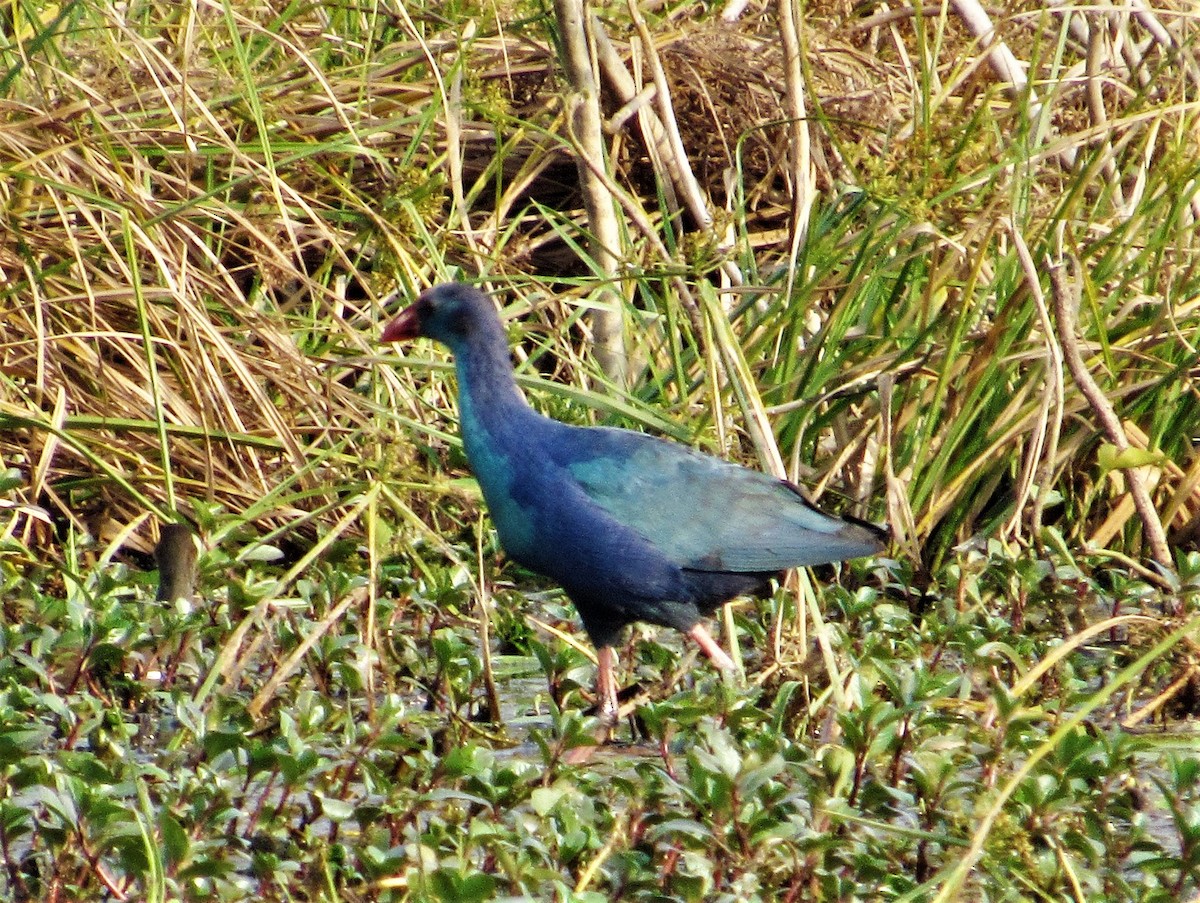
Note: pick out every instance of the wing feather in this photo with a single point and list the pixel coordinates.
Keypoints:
(703, 512)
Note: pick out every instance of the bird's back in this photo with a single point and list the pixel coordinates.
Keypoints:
(702, 512)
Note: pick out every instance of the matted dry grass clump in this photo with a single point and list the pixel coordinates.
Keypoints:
(729, 99)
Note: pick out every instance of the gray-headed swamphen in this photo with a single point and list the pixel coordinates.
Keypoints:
(634, 528)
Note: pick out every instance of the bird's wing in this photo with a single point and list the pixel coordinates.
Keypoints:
(703, 512)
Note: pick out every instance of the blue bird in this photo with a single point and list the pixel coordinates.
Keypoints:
(633, 527)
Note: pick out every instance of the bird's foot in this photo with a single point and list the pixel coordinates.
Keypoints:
(580, 755)
(603, 734)
(608, 706)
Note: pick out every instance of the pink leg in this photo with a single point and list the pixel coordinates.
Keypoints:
(715, 653)
(607, 705)
(606, 685)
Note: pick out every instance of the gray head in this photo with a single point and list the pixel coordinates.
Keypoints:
(453, 313)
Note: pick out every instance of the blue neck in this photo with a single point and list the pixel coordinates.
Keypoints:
(500, 434)
(494, 417)
(487, 391)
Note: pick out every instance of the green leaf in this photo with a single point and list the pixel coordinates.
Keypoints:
(544, 799)
(1110, 459)
(174, 839)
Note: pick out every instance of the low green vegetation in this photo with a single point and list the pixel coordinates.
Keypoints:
(207, 208)
(974, 715)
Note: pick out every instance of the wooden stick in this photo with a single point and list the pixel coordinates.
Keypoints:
(1066, 305)
(587, 132)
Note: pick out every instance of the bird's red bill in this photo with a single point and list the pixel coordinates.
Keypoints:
(405, 326)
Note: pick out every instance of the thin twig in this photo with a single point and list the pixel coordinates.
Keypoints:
(799, 150)
(1066, 310)
(289, 666)
(666, 111)
(1039, 463)
(681, 168)
(1176, 687)
(1006, 66)
(1098, 62)
(654, 133)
